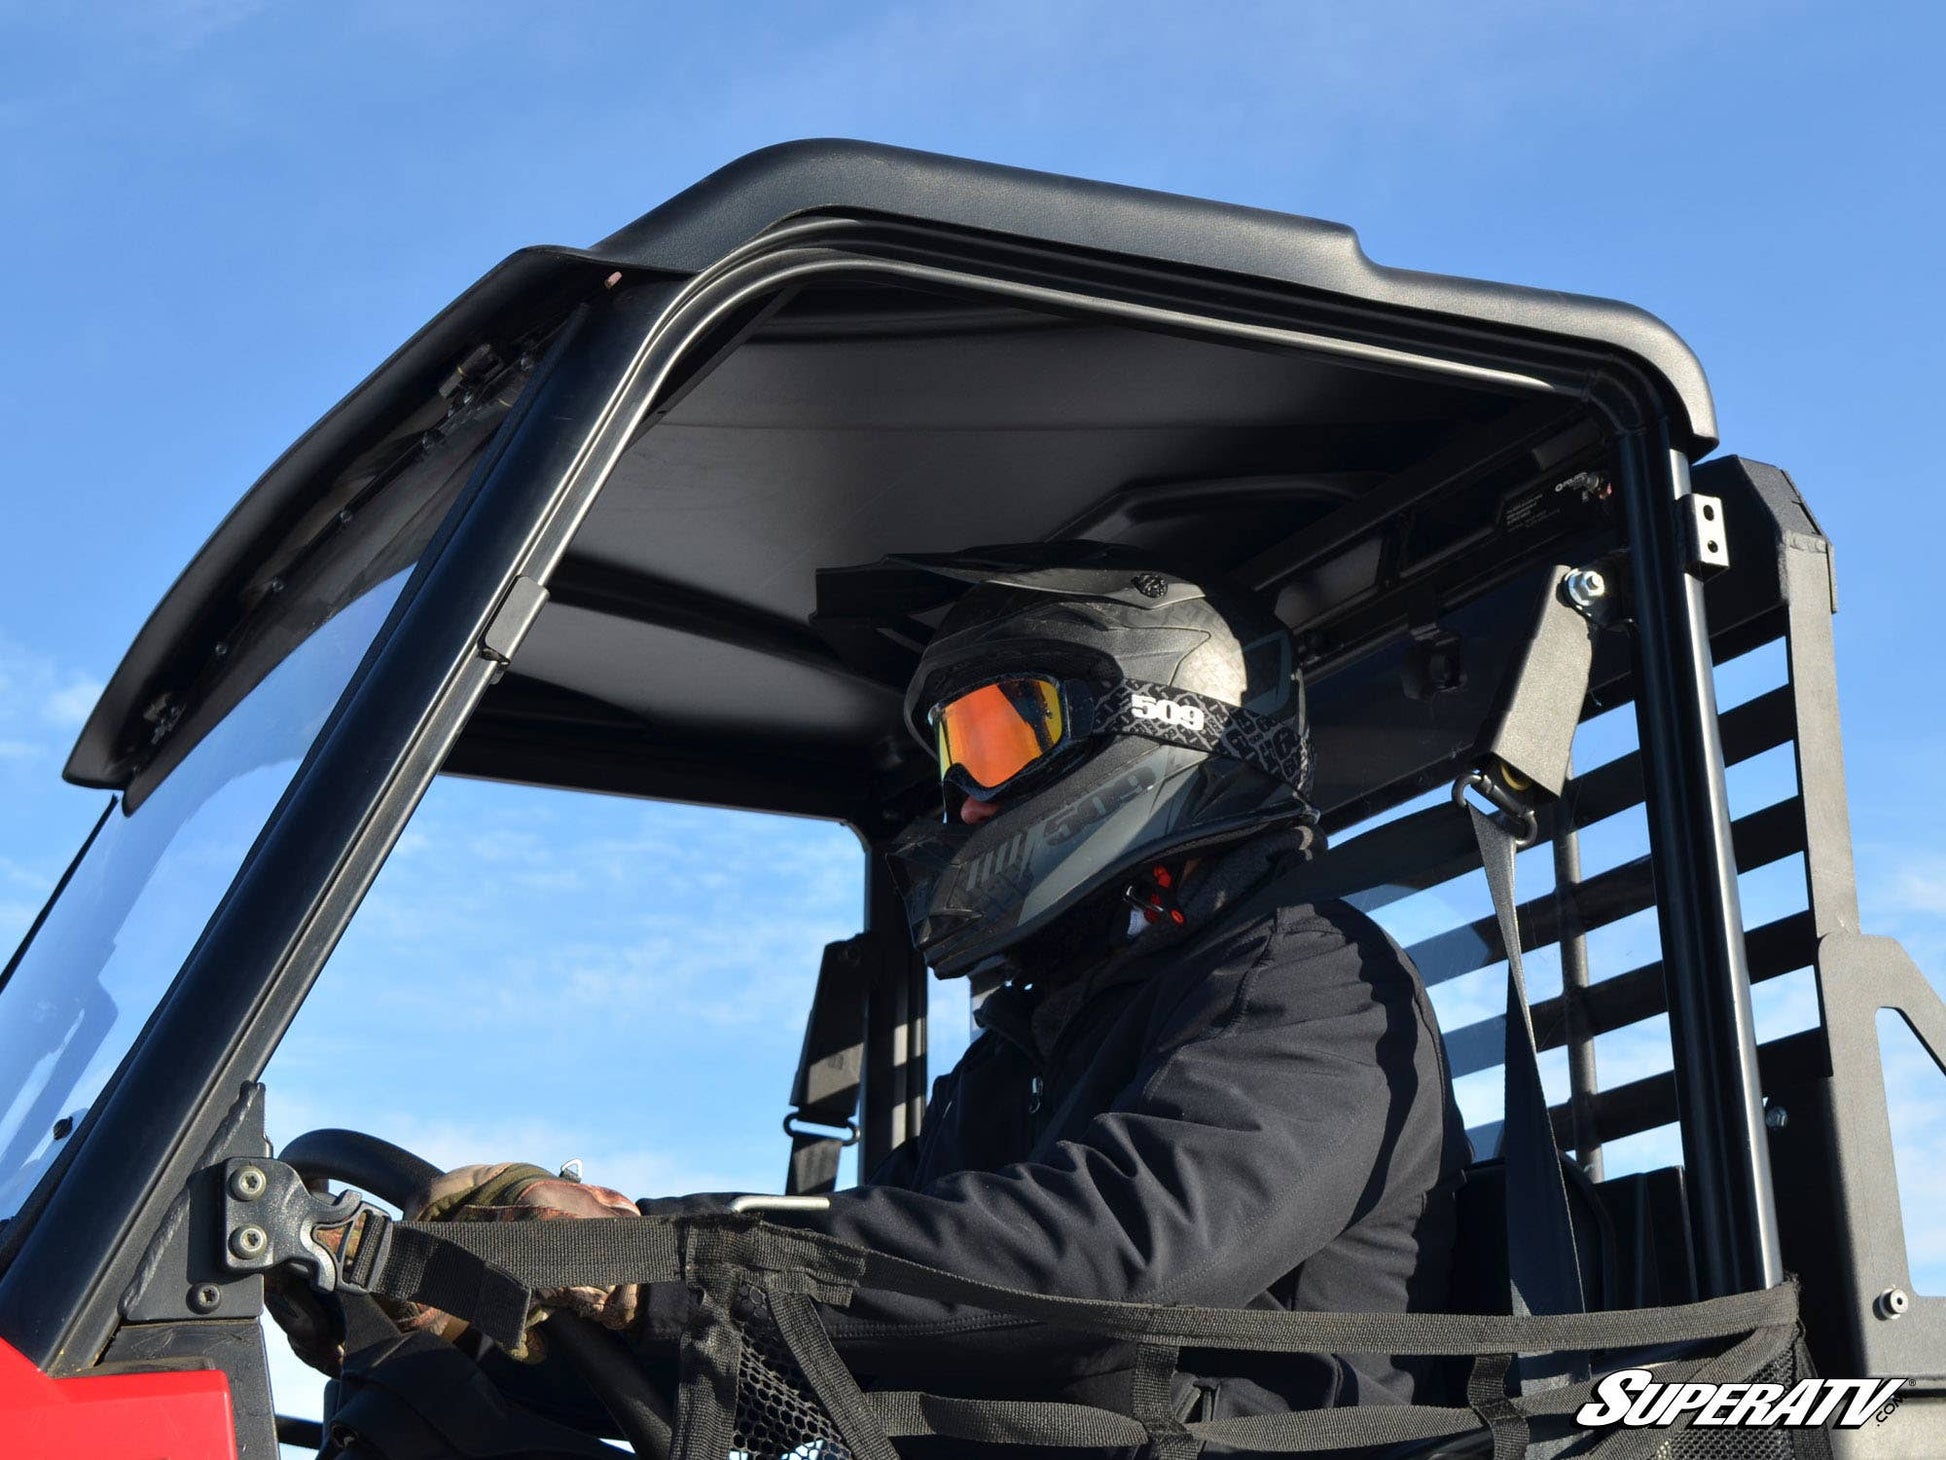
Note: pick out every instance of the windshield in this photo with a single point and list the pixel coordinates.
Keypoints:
(100, 963)
(112, 942)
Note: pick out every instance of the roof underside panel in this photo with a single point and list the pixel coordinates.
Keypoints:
(865, 423)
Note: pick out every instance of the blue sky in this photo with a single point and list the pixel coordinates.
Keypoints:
(219, 214)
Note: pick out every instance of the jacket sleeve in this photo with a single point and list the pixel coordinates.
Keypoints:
(1251, 1136)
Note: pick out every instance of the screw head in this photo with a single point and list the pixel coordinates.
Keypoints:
(247, 1183)
(205, 1297)
(1776, 1117)
(248, 1241)
(1892, 1303)
(1585, 587)
(1150, 585)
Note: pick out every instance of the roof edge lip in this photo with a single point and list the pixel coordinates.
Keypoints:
(752, 193)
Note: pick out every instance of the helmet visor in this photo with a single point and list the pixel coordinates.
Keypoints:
(993, 733)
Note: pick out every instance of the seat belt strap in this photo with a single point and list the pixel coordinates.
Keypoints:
(824, 1093)
(1543, 1270)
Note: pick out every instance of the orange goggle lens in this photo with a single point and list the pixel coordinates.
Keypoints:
(995, 732)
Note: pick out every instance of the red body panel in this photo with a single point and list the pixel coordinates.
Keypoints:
(171, 1416)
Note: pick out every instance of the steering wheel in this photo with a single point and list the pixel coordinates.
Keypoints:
(393, 1174)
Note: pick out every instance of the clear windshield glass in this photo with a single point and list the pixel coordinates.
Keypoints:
(135, 905)
(224, 753)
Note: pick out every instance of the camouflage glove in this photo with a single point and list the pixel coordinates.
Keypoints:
(516, 1192)
(312, 1323)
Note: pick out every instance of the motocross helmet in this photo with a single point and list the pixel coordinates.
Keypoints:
(1116, 716)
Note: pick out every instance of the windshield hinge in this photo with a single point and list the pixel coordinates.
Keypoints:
(512, 620)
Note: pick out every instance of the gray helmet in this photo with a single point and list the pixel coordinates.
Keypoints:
(1184, 729)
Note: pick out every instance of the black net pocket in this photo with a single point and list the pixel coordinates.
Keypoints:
(1699, 1443)
(777, 1416)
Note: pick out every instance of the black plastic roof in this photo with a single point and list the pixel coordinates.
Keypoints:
(699, 226)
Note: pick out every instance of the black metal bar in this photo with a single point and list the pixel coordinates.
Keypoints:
(1776, 948)
(1474, 454)
(1647, 1103)
(1732, 1210)
(1425, 848)
(1757, 840)
(539, 734)
(1830, 877)
(643, 598)
(895, 1028)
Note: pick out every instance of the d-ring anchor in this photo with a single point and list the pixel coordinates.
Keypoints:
(794, 1130)
(1504, 801)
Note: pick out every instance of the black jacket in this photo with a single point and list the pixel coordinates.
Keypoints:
(1249, 1111)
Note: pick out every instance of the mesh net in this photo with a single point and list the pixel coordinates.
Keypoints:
(1696, 1443)
(777, 1415)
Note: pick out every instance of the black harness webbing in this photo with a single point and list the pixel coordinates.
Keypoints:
(456, 1265)
(485, 1272)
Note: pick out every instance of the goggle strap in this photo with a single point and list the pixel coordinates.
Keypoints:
(1182, 717)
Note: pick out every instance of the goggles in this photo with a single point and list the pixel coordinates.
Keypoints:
(987, 737)
(993, 735)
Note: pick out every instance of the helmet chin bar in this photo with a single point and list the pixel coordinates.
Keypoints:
(973, 891)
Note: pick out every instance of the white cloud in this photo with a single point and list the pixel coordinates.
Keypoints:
(1919, 886)
(39, 695)
(19, 874)
(15, 919)
(68, 707)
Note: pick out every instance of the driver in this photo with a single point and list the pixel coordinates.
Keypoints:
(1195, 1083)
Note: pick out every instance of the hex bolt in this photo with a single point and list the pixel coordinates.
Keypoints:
(205, 1297)
(1892, 1303)
(247, 1183)
(248, 1241)
(1776, 1117)
(1584, 587)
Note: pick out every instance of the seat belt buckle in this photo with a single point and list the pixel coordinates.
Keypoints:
(271, 1220)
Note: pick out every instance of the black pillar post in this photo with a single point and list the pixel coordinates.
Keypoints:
(1705, 972)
